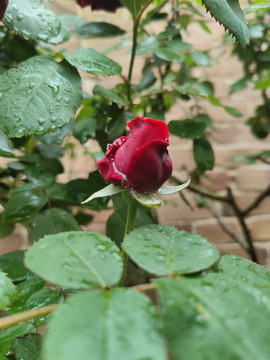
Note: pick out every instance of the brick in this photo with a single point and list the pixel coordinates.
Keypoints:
(182, 157)
(174, 209)
(263, 252)
(259, 226)
(229, 133)
(233, 249)
(18, 240)
(215, 180)
(245, 199)
(253, 177)
(96, 227)
(225, 154)
(210, 229)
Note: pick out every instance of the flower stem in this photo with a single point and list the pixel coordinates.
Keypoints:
(132, 205)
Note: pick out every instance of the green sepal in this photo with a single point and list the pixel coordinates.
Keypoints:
(107, 191)
(167, 190)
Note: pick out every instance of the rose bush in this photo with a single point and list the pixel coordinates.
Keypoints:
(109, 5)
(139, 161)
(3, 6)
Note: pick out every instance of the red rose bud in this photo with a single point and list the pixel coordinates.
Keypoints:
(109, 5)
(139, 161)
(3, 6)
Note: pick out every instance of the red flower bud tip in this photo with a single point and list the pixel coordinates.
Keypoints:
(139, 161)
(109, 5)
(3, 6)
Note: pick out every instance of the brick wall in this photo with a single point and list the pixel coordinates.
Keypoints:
(230, 138)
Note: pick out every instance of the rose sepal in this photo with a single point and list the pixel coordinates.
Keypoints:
(168, 189)
(146, 199)
(107, 191)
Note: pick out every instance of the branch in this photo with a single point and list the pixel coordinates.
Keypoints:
(226, 230)
(11, 320)
(244, 227)
(256, 202)
(201, 192)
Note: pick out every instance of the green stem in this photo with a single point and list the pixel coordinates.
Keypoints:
(131, 215)
(133, 53)
(136, 23)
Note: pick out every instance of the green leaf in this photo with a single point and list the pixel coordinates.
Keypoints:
(163, 250)
(76, 259)
(169, 54)
(232, 111)
(25, 290)
(28, 347)
(203, 154)
(93, 62)
(52, 221)
(118, 324)
(9, 335)
(201, 58)
(147, 199)
(6, 146)
(31, 19)
(24, 203)
(257, 7)
(167, 190)
(134, 6)
(246, 271)
(230, 15)
(110, 95)
(5, 228)
(8, 292)
(214, 317)
(40, 95)
(12, 264)
(189, 129)
(42, 298)
(107, 191)
(98, 29)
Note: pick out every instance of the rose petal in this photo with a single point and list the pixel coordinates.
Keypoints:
(149, 167)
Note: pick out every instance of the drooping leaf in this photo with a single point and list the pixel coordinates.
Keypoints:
(189, 129)
(41, 95)
(214, 317)
(52, 221)
(76, 259)
(31, 19)
(231, 16)
(8, 292)
(117, 324)
(28, 347)
(98, 29)
(93, 62)
(203, 154)
(163, 250)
